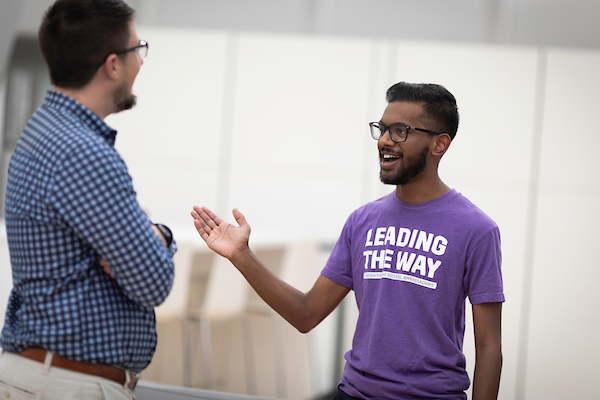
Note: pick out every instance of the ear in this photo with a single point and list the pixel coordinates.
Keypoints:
(111, 66)
(441, 144)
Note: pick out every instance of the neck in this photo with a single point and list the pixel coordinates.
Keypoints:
(91, 98)
(417, 191)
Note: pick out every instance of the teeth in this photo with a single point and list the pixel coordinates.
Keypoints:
(388, 156)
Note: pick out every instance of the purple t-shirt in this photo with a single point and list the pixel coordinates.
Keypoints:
(411, 266)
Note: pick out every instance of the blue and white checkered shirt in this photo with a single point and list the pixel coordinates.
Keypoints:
(69, 202)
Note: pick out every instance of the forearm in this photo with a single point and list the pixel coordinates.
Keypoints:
(112, 223)
(286, 300)
(303, 310)
(143, 266)
(488, 366)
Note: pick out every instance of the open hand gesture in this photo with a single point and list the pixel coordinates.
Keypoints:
(220, 236)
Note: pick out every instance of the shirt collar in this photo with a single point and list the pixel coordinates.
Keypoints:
(61, 101)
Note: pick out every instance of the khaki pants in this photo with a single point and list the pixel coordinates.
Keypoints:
(25, 379)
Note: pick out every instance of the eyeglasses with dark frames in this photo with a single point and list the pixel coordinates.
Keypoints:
(398, 131)
(141, 48)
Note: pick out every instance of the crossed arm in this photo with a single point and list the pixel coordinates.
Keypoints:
(106, 267)
(303, 310)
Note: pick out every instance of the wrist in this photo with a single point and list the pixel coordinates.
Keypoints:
(166, 233)
(241, 254)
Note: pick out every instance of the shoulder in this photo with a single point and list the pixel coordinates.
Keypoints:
(52, 137)
(369, 211)
(465, 222)
(66, 123)
(375, 206)
(69, 145)
(62, 126)
(465, 210)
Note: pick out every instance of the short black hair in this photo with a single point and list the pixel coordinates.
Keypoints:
(440, 112)
(76, 36)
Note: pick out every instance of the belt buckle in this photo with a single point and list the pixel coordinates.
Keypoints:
(131, 379)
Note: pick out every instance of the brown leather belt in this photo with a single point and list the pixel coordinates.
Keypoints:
(105, 371)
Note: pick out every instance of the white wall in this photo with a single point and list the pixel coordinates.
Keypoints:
(277, 126)
(564, 324)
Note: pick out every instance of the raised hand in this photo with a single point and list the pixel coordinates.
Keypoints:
(221, 236)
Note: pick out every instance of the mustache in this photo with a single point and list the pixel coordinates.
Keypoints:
(389, 152)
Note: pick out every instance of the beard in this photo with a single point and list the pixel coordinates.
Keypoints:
(410, 168)
(123, 99)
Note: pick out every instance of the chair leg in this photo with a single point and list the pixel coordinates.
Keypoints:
(187, 349)
(206, 343)
(248, 345)
(279, 349)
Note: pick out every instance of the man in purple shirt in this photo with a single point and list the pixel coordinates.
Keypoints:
(412, 258)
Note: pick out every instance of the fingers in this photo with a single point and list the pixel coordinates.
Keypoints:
(205, 221)
(239, 217)
(206, 213)
(205, 217)
(210, 226)
(196, 212)
(106, 268)
(200, 223)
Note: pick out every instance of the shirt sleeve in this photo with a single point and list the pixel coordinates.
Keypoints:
(483, 277)
(339, 265)
(94, 194)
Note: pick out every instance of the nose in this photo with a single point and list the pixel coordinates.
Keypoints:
(386, 139)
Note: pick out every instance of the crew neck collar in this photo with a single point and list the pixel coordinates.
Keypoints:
(425, 204)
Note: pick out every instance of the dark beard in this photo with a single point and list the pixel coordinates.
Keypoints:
(411, 168)
(123, 100)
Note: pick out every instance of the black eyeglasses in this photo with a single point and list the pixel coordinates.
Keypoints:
(398, 131)
(141, 48)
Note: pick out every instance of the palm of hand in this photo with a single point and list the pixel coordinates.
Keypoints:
(219, 235)
(226, 239)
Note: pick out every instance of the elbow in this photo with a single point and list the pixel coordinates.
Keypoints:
(159, 297)
(308, 318)
(304, 328)
(158, 292)
(489, 349)
(153, 299)
(162, 292)
(154, 294)
(306, 324)
(492, 353)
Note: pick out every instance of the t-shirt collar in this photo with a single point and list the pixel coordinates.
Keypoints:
(425, 204)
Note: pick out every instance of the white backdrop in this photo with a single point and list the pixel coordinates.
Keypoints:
(277, 126)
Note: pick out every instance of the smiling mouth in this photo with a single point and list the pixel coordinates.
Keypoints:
(388, 158)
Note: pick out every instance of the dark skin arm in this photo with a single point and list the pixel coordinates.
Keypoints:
(306, 310)
(488, 350)
(303, 310)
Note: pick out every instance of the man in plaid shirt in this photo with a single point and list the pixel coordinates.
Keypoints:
(88, 265)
